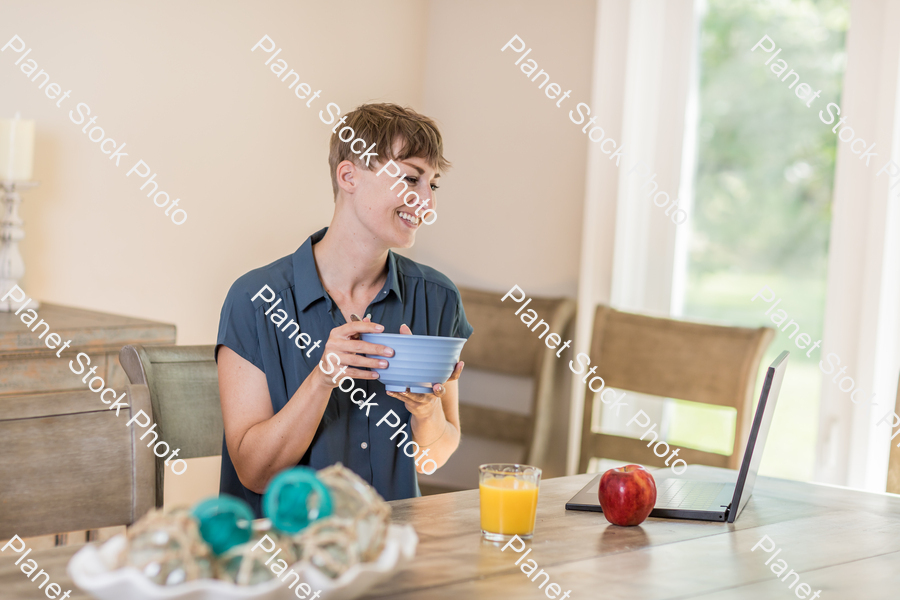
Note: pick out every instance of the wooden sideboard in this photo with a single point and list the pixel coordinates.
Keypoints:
(36, 384)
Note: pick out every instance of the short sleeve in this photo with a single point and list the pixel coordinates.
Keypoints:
(460, 327)
(238, 325)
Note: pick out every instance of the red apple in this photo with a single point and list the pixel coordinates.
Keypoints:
(627, 495)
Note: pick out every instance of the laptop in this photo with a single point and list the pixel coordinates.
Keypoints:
(678, 498)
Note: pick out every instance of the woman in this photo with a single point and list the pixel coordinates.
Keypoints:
(280, 408)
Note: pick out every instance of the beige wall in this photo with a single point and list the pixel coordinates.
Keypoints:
(180, 86)
(247, 159)
(511, 205)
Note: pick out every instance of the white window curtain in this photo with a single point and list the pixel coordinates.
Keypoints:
(633, 256)
(643, 64)
(863, 292)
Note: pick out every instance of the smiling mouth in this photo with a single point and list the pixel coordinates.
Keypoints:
(409, 219)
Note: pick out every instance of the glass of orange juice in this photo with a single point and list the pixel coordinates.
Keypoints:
(509, 495)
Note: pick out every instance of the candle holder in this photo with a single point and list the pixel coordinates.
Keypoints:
(12, 267)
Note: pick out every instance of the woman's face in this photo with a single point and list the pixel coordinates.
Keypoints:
(382, 209)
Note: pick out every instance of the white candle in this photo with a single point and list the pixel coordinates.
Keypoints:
(16, 149)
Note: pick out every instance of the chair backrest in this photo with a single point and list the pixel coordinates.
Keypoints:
(184, 391)
(893, 481)
(503, 344)
(70, 464)
(710, 364)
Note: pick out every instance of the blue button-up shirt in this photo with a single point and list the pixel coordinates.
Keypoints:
(413, 294)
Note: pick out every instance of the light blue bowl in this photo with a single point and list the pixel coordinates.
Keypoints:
(419, 361)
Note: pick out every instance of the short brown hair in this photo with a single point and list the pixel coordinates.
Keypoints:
(383, 124)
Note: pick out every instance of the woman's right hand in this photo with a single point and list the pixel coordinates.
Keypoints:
(344, 350)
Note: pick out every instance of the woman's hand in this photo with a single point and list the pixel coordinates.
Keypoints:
(423, 406)
(344, 344)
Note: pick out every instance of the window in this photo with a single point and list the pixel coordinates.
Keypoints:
(762, 203)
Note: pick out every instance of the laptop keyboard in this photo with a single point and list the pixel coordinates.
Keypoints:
(681, 493)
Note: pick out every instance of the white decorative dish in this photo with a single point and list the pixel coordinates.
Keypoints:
(93, 570)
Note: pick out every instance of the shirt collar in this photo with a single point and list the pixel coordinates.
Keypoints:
(393, 279)
(307, 285)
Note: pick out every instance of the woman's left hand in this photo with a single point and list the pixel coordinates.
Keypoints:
(423, 406)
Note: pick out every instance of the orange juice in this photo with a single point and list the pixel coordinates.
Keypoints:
(508, 505)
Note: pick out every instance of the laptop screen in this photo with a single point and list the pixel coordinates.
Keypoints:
(757, 440)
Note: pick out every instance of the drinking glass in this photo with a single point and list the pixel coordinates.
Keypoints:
(509, 495)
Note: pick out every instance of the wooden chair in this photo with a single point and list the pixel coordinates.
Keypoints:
(183, 381)
(703, 363)
(183, 387)
(72, 465)
(503, 344)
(893, 481)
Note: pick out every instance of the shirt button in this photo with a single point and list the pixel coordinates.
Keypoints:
(364, 445)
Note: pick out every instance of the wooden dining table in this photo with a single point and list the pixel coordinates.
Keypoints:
(844, 544)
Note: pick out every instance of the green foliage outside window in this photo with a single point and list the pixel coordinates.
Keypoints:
(763, 191)
(765, 160)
